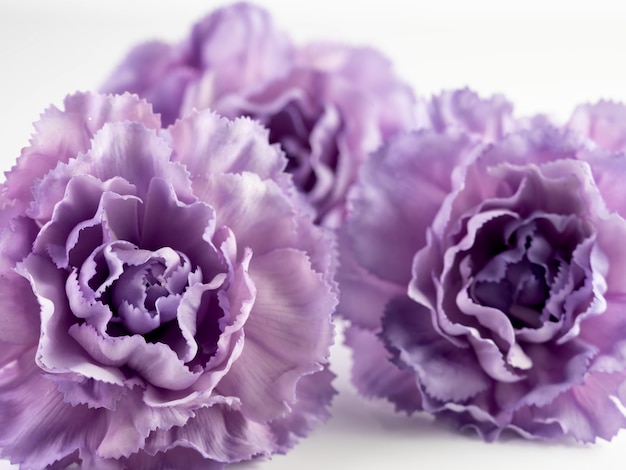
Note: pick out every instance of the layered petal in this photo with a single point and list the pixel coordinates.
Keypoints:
(63, 134)
(506, 315)
(603, 122)
(402, 186)
(282, 342)
(374, 374)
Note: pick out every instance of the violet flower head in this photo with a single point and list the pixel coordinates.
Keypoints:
(327, 105)
(165, 302)
(485, 282)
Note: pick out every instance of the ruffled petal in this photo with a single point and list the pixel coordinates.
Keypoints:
(556, 369)
(78, 211)
(157, 72)
(37, 427)
(588, 410)
(490, 118)
(375, 375)
(240, 47)
(314, 394)
(57, 350)
(609, 172)
(363, 296)
(132, 422)
(63, 134)
(119, 150)
(603, 122)
(210, 145)
(19, 311)
(287, 335)
(198, 220)
(242, 201)
(404, 185)
(217, 433)
(363, 79)
(173, 459)
(440, 366)
(157, 363)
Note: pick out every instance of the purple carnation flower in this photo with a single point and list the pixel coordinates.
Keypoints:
(485, 283)
(328, 105)
(165, 302)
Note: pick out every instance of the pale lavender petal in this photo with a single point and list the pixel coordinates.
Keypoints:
(63, 134)
(439, 365)
(603, 122)
(363, 296)
(36, 423)
(235, 48)
(120, 150)
(157, 72)
(57, 351)
(80, 390)
(198, 219)
(132, 422)
(177, 457)
(389, 101)
(588, 411)
(327, 105)
(240, 200)
(283, 342)
(490, 118)
(314, 394)
(156, 363)
(403, 185)
(210, 145)
(19, 311)
(609, 171)
(78, 210)
(238, 48)
(217, 433)
(375, 376)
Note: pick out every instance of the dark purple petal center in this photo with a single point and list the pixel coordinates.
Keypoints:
(147, 295)
(519, 274)
(139, 265)
(308, 136)
(291, 127)
(521, 295)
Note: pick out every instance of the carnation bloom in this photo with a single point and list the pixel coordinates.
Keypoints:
(328, 105)
(485, 282)
(165, 303)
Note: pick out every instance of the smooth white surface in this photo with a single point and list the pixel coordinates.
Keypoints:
(546, 56)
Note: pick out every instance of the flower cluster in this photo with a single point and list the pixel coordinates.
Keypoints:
(174, 247)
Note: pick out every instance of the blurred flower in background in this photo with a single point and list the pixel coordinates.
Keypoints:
(328, 105)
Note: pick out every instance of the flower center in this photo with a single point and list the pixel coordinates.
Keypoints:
(147, 294)
(521, 294)
(520, 273)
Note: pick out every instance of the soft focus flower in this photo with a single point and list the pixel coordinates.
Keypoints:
(603, 122)
(328, 105)
(165, 303)
(465, 111)
(485, 283)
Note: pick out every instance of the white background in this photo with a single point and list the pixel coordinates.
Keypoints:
(547, 56)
